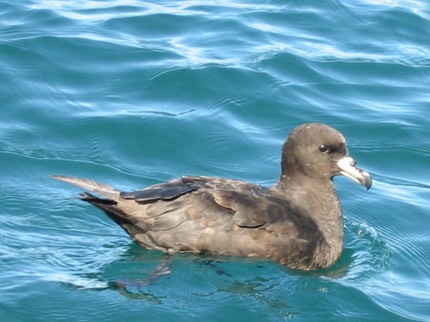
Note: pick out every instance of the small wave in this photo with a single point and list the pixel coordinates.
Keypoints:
(369, 251)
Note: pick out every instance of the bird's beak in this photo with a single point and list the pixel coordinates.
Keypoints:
(348, 169)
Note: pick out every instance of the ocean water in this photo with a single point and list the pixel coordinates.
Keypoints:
(133, 93)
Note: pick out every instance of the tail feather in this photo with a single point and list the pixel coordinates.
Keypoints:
(111, 209)
(109, 206)
(88, 197)
(91, 185)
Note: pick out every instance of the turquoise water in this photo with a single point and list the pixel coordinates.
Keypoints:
(134, 92)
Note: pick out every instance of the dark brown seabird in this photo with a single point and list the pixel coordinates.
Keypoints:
(298, 222)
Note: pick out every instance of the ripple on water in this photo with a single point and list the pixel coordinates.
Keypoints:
(370, 253)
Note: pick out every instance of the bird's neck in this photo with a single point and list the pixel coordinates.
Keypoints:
(318, 199)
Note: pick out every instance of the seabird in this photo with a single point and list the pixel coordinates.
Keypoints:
(298, 222)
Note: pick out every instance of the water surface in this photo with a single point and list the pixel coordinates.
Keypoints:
(136, 92)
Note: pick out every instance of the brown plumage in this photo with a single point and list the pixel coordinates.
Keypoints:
(298, 222)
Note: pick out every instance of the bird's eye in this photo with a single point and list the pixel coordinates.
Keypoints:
(323, 148)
